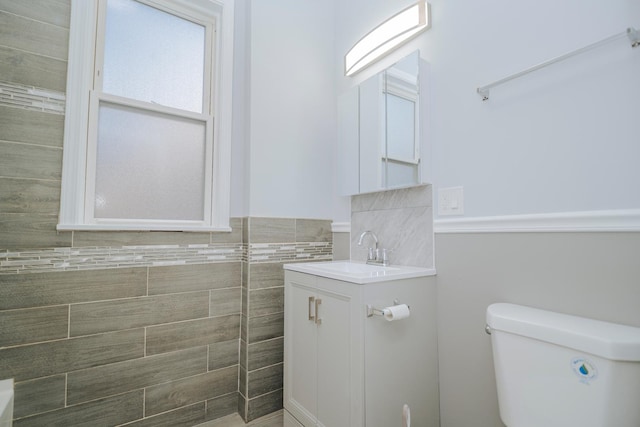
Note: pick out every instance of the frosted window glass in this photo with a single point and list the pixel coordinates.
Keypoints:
(153, 56)
(400, 128)
(149, 165)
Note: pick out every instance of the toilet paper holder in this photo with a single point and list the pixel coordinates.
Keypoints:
(373, 311)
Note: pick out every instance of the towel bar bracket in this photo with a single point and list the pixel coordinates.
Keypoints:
(634, 38)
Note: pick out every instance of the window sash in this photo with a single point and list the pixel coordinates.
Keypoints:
(96, 99)
(208, 86)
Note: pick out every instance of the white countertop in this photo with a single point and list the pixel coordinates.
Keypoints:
(358, 272)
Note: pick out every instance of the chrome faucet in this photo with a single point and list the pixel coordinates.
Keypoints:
(375, 254)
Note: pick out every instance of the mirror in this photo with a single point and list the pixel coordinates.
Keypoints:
(382, 130)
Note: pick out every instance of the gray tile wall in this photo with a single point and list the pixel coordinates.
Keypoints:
(135, 328)
(262, 332)
(77, 342)
(34, 39)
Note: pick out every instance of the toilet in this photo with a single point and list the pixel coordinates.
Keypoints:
(556, 370)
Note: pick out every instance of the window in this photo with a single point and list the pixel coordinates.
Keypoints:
(141, 151)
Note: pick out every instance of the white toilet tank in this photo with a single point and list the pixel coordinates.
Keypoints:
(556, 370)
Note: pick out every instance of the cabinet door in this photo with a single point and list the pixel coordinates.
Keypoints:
(337, 352)
(300, 352)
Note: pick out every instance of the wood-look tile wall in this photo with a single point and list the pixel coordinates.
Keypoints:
(262, 334)
(141, 345)
(77, 342)
(34, 38)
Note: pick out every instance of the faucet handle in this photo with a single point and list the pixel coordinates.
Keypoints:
(382, 255)
(372, 255)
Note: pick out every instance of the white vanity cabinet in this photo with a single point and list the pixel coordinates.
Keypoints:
(323, 351)
(344, 369)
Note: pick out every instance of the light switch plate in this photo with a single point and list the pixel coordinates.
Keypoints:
(450, 201)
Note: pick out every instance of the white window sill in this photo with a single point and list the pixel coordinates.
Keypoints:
(132, 227)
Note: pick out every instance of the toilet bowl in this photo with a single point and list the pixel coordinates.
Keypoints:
(556, 370)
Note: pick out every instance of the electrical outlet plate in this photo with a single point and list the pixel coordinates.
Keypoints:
(450, 201)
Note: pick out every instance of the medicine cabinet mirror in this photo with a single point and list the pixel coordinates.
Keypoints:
(382, 130)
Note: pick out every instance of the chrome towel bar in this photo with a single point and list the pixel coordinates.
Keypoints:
(631, 33)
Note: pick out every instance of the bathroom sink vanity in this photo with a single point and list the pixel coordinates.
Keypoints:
(345, 364)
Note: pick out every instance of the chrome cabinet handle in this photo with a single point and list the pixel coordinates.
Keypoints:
(318, 319)
(311, 316)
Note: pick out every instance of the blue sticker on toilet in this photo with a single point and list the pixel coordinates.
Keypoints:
(584, 369)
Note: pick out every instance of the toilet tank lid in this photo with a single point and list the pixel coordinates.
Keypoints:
(609, 340)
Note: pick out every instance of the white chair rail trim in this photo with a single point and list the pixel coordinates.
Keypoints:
(627, 220)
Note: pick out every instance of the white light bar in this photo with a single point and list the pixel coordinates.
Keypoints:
(387, 36)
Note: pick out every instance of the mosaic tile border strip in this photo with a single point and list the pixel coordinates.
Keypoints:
(98, 258)
(32, 98)
(282, 252)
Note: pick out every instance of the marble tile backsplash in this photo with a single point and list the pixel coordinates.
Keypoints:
(401, 219)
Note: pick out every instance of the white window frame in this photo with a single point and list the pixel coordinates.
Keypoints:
(76, 207)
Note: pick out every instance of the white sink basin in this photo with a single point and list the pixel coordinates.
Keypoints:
(349, 267)
(360, 273)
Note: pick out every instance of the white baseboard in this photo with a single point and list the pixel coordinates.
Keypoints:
(592, 221)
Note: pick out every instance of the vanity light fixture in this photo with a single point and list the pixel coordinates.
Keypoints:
(396, 30)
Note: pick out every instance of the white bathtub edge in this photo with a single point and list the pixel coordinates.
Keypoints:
(6, 403)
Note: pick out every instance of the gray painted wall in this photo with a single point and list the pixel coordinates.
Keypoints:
(341, 245)
(593, 275)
